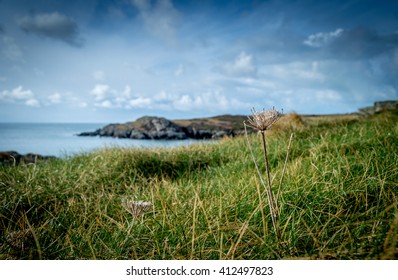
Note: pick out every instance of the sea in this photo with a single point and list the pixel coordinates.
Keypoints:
(61, 140)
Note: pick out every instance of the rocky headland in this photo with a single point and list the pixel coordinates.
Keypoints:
(158, 128)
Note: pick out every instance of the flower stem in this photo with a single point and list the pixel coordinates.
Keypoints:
(272, 202)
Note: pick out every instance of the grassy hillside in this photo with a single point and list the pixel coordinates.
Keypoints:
(338, 199)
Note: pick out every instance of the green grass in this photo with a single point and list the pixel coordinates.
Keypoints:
(338, 200)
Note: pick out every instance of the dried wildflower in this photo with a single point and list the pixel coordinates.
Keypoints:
(137, 208)
(263, 120)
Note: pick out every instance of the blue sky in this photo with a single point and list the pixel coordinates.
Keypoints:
(117, 60)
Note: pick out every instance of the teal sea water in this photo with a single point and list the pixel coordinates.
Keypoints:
(59, 139)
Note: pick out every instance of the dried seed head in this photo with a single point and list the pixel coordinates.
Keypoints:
(263, 120)
(137, 208)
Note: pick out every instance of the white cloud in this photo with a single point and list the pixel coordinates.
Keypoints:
(213, 100)
(125, 94)
(139, 102)
(322, 38)
(106, 104)
(19, 94)
(108, 97)
(165, 97)
(243, 65)
(32, 102)
(120, 99)
(102, 94)
(55, 98)
(100, 91)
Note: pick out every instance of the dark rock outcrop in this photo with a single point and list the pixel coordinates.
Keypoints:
(136, 134)
(15, 158)
(160, 128)
(144, 128)
(92, 133)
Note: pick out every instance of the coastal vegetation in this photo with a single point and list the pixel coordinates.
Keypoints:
(338, 198)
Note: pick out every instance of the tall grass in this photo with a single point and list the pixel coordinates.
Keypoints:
(338, 199)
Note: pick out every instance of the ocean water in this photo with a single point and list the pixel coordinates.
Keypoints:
(59, 139)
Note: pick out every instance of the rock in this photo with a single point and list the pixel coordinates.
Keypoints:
(137, 134)
(167, 135)
(108, 130)
(152, 124)
(122, 133)
(14, 158)
(220, 134)
(194, 133)
(204, 134)
(9, 158)
(93, 133)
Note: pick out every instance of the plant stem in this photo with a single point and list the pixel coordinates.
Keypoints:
(273, 203)
(274, 214)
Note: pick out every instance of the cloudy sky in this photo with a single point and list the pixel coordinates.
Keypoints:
(117, 60)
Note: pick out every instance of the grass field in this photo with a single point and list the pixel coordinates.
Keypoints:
(338, 199)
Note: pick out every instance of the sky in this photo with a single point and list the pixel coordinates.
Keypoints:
(117, 60)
